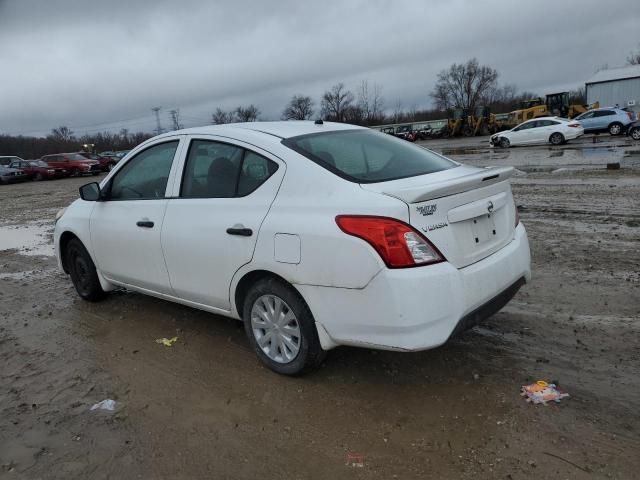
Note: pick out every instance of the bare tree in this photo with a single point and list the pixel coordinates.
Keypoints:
(247, 114)
(398, 112)
(300, 107)
(335, 102)
(634, 57)
(370, 102)
(175, 119)
(463, 85)
(578, 96)
(124, 134)
(63, 133)
(220, 117)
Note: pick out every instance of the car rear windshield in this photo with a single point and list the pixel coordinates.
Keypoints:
(367, 156)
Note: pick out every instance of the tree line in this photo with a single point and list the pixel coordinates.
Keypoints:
(462, 86)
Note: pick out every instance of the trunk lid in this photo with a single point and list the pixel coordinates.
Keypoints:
(466, 212)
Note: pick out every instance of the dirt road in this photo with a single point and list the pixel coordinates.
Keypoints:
(205, 408)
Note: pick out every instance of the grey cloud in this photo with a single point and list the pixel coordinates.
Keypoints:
(83, 63)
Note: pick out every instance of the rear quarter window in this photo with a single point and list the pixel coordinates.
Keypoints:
(367, 156)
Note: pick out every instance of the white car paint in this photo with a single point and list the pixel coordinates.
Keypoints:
(468, 213)
(539, 131)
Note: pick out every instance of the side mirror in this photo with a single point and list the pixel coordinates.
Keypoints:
(90, 192)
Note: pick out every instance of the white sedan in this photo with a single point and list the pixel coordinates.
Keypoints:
(313, 234)
(553, 130)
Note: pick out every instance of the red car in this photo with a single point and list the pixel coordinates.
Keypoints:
(39, 170)
(74, 163)
(106, 163)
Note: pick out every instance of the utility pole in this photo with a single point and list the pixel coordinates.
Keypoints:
(159, 129)
(175, 119)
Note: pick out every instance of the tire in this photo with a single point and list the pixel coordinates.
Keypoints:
(504, 142)
(270, 296)
(635, 133)
(556, 138)
(615, 128)
(110, 167)
(83, 271)
(38, 177)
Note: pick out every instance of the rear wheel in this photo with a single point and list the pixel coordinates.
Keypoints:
(615, 128)
(504, 142)
(556, 138)
(83, 271)
(281, 328)
(635, 133)
(38, 177)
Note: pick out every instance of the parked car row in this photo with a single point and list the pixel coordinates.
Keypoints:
(558, 130)
(14, 169)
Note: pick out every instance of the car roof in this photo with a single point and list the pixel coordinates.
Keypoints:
(281, 129)
(618, 109)
(562, 119)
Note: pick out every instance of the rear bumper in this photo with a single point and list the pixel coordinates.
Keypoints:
(419, 308)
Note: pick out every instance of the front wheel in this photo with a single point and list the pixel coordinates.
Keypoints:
(39, 177)
(83, 271)
(615, 128)
(505, 143)
(556, 139)
(281, 328)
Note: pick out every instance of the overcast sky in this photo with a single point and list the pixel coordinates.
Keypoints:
(96, 65)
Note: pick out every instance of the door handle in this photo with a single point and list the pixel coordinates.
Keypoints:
(145, 224)
(242, 231)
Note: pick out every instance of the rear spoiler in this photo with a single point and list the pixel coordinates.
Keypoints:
(422, 193)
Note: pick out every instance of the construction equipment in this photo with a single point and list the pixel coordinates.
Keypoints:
(483, 122)
(555, 104)
(458, 124)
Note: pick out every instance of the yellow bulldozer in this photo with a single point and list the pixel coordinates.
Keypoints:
(554, 104)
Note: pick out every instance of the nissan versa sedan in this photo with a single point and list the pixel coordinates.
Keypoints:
(553, 130)
(313, 234)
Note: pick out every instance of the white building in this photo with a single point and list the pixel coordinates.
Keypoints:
(615, 86)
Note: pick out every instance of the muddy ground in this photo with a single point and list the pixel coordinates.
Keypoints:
(205, 408)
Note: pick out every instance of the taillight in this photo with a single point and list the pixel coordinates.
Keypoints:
(399, 244)
(574, 125)
(630, 115)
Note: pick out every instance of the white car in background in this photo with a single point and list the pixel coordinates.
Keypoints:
(313, 234)
(553, 130)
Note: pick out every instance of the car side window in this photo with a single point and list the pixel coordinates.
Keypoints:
(526, 126)
(211, 170)
(145, 176)
(221, 170)
(254, 172)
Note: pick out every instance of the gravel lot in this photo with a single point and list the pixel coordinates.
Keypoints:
(205, 408)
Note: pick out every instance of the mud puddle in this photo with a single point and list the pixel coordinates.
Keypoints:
(29, 239)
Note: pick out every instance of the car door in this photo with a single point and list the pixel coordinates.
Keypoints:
(602, 118)
(587, 120)
(544, 129)
(127, 222)
(522, 133)
(212, 223)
